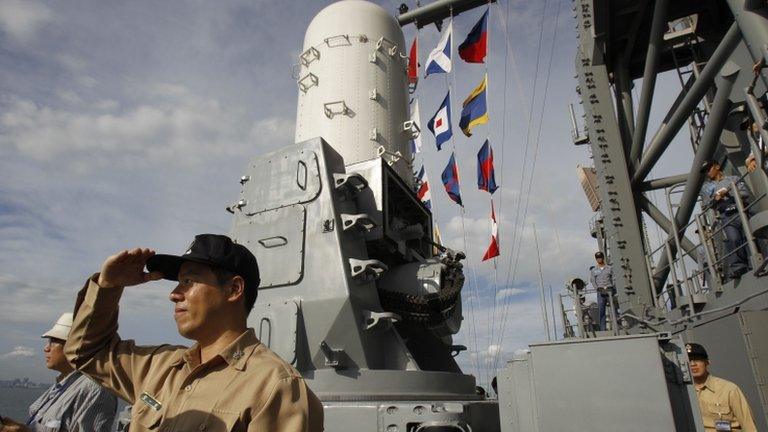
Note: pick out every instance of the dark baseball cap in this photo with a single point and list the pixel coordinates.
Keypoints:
(215, 250)
(708, 164)
(599, 254)
(696, 352)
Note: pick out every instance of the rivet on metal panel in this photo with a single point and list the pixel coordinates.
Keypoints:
(391, 410)
(244, 179)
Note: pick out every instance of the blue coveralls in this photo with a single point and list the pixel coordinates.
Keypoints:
(735, 264)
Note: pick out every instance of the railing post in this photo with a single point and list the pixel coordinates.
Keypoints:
(709, 254)
(614, 322)
(754, 254)
(579, 313)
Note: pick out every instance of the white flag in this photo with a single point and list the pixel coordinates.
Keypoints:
(416, 119)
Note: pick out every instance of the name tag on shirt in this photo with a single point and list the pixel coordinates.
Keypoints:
(723, 425)
(152, 402)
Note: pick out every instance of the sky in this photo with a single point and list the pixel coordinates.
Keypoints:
(127, 124)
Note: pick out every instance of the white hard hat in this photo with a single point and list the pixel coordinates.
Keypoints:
(61, 329)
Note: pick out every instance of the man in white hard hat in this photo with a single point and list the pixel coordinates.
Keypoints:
(75, 403)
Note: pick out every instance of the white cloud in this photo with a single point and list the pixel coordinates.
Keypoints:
(508, 292)
(183, 129)
(21, 19)
(17, 352)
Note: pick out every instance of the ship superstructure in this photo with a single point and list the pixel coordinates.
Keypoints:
(359, 298)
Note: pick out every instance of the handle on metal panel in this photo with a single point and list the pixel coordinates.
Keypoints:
(307, 81)
(265, 324)
(301, 175)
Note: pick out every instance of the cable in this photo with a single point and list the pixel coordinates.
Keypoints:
(536, 148)
(516, 223)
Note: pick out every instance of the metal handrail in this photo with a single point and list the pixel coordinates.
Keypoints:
(691, 279)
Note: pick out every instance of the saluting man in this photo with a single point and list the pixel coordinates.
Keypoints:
(722, 404)
(227, 381)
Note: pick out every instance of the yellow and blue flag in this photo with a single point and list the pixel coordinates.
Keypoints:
(475, 108)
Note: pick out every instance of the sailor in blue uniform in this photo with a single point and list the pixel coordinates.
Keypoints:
(601, 277)
(717, 194)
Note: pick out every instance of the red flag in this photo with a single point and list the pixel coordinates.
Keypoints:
(413, 66)
(474, 48)
(493, 248)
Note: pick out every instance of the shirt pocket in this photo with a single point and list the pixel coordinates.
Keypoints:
(146, 416)
(719, 410)
(221, 421)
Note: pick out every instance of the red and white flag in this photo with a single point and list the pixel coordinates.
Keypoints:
(493, 248)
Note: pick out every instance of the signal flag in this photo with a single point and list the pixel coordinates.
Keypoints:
(493, 248)
(475, 46)
(486, 177)
(439, 60)
(440, 123)
(451, 180)
(475, 108)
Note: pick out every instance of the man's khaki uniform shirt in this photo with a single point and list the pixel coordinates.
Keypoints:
(245, 388)
(720, 399)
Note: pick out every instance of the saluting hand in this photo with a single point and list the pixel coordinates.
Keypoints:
(126, 268)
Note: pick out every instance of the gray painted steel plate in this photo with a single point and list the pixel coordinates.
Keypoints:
(276, 238)
(287, 177)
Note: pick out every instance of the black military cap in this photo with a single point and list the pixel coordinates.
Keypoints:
(707, 165)
(696, 352)
(746, 123)
(215, 250)
(599, 254)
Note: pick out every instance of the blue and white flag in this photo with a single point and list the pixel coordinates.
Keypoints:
(440, 124)
(439, 60)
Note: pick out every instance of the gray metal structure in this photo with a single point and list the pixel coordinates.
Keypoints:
(356, 296)
(682, 285)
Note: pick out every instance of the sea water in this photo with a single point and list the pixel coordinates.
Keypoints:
(15, 402)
